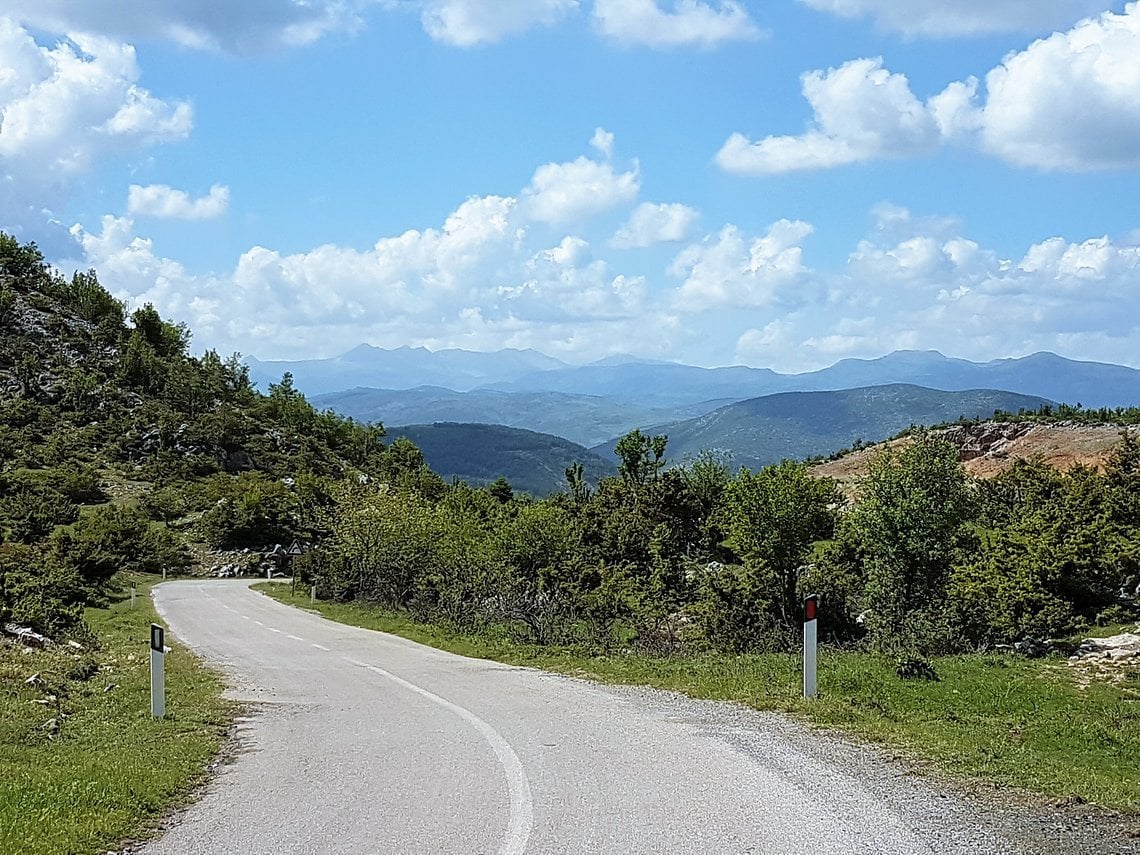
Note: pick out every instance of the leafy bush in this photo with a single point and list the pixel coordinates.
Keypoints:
(248, 510)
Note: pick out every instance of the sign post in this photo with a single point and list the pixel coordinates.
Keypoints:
(157, 671)
(292, 552)
(811, 607)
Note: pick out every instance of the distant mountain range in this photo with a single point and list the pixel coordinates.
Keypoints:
(403, 368)
(585, 419)
(796, 425)
(752, 433)
(532, 462)
(665, 385)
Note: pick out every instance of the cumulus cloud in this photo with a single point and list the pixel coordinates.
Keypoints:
(164, 202)
(1067, 102)
(245, 26)
(473, 22)
(67, 107)
(962, 17)
(571, 192)
(862, 112)
(688, 22)
(1070, 101)
(651, 223)
(923, 288)
(730, 270)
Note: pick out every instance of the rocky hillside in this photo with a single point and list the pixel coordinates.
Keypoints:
(989, 448)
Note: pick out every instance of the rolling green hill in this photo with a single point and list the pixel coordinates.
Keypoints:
(796, 425)
(532, 462)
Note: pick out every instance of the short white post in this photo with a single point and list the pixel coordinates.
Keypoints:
(157, 671)
(811, 607)
(163, 574)
(313, 594)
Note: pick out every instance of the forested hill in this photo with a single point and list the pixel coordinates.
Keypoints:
(117, 447)
(797, 425)
(531, 462)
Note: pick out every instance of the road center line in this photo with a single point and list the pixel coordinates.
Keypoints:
(295, 637)
(522, 807)
(321, 647)
(273, 629)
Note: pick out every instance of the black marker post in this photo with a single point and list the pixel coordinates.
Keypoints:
(157, 671)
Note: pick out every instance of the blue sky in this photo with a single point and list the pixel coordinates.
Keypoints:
(778, 184)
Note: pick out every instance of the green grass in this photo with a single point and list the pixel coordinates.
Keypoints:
(1002, 719)
(113, 770)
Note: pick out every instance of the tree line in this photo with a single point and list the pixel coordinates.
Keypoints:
(922, 558)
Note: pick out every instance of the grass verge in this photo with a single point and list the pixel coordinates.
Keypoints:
(111, 771)
(1001, 719)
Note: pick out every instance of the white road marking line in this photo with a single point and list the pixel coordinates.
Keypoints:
(245, 617)
(321, 647)
(271, 629)
(295, 637)
(522, 806)
(259, 623)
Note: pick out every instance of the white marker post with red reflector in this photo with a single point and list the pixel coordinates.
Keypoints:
(811, 608)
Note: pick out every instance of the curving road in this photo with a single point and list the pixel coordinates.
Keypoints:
(360, 742)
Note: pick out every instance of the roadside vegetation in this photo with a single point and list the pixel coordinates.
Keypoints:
(83, 765)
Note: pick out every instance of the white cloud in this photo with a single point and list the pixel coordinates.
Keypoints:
(689, 22)
(1067, 102)
(473, 22)
(159, 200)
(962, 17)
(862, 112)
(651, 223)
(1070, 101)
(603, 141)
(240, 26)
(566, 282)
(65, 108)
(575, 191)
(730, 270)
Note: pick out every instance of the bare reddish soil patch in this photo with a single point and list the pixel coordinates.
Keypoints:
(990, 448)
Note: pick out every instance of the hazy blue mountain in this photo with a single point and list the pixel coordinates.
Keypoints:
(796, 425)
(651, 384)
(402, 368)
(532, 462)
(1094, 384)
(665, 385)
(1046, 375)
(585, 419)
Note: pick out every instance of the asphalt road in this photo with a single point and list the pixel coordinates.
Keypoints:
(365, 743)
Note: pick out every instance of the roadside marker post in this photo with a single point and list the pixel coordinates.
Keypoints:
(313, 594)
(157, 671)
(811, 609)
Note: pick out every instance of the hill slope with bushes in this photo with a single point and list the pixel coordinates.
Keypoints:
(117, 447)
